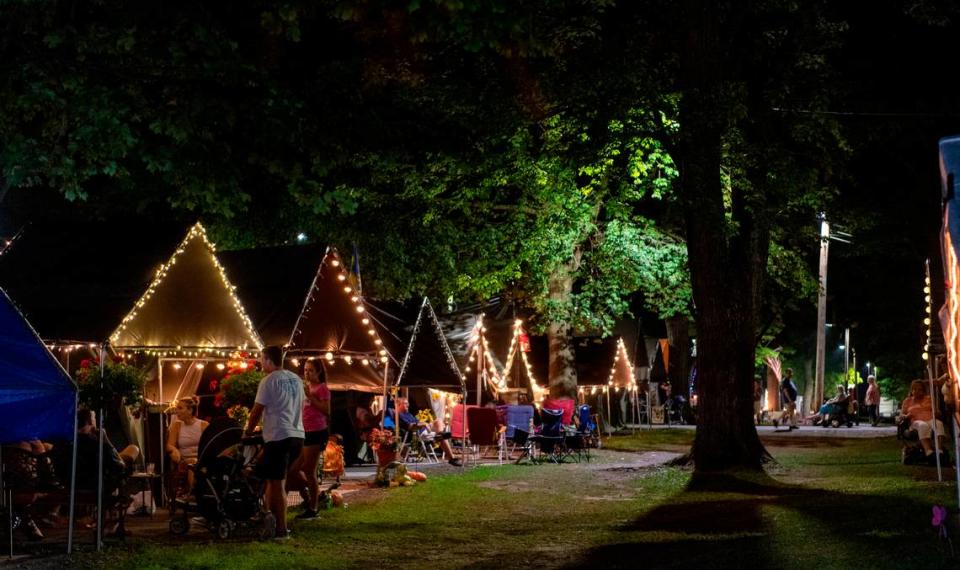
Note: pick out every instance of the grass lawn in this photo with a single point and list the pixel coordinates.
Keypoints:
(825, 504)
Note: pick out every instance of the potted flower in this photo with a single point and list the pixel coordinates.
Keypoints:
(386, 445)
(121, 384)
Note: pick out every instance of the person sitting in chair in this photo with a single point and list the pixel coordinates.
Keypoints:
(917, 411)
(409, 422)
(183, 439)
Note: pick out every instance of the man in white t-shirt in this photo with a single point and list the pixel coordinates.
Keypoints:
(280, 402)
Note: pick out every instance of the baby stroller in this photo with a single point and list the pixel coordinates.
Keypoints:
(224, 492)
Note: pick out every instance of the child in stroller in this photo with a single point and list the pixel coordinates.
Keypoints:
(225, 493)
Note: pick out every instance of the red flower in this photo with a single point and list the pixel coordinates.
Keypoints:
(85, 363)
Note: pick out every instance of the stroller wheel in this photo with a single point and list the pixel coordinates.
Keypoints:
(224, 529)
(835, 423)
(269, 528)
(179, 525)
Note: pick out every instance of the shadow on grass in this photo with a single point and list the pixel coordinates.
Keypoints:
(719, 521)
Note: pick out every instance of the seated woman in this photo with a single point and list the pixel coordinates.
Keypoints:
(917, 409)
(183, 438)
(116, 464)
(28, 471)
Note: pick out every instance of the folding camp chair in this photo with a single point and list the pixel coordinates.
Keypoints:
(516, 419)
(482, 432)
(551, 439)
(418, 447)
(585, 436)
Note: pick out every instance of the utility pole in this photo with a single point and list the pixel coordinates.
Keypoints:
(825, 237)
(821, 314)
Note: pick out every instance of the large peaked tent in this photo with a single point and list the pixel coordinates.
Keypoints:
(334, 325)
(190, 307)
(37, 396)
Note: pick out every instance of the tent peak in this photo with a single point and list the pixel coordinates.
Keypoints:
(196, 234)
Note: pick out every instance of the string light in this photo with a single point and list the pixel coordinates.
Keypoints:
(196, 232)
(478, 345)
(929, 307)
(427, 308)
(511, 353)
(332, 262)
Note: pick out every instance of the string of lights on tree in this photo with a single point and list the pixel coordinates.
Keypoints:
(196, 232)
(332, 257)
(477, 346)
(511, 354)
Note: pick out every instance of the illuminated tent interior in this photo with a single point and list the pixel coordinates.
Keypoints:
(334, 325)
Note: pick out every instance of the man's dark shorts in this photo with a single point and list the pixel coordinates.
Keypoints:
(278, 456)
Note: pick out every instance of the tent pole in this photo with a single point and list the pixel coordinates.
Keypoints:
(481, 363)
(161, 432)
(383, 414)
(956, 455)
(73, 477)
(100, 432)
(463, 447)
(933, 424)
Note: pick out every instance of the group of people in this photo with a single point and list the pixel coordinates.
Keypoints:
(789, 396)
(35, 468)
(295, 432)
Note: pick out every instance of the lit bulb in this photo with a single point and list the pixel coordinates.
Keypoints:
(335, 263)
(220, 366)
(341, 277)
(359, 308)
(199, 366)
(926, 321)
(365, 321)
(366, 362)
(347, 289)
(176, 366)
(926, 356)
(926, 290)
(329, 356)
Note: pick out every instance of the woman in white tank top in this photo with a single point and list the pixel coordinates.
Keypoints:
(184, 437)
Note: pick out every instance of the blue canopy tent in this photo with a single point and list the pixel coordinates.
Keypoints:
(38, 399)
(37, 396)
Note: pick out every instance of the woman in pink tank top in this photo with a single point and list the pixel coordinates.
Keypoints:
(316, 414)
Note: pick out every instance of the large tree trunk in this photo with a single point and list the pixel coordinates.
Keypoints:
(724, 270)
(562, 366)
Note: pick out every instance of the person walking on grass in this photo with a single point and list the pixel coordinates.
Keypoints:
(872, 400)
(279, 402)
(788, 398)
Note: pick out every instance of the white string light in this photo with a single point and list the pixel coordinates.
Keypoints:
(426, 307)
(511, 353)
(197, 231)
(478, 345)
(332, 259)
(929, 310)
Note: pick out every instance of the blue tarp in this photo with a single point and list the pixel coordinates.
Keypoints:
(37, 396)
(950, 183)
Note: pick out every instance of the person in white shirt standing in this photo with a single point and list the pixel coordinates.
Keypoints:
(280, 403)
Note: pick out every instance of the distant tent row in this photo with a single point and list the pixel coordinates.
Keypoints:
(189, 314)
